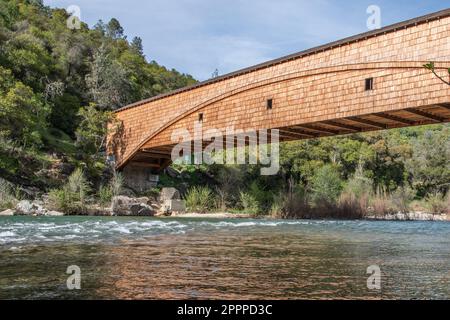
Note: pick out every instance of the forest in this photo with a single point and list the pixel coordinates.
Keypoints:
(59, 88)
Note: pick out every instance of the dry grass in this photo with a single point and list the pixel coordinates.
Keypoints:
(297, 207)
(437, 203)
(7, 198)
(381, 205)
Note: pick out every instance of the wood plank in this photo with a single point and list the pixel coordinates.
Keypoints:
(145, 164)
(343, 126)
(425, 115)
(301, 134)
(395, 118)
(316, 129)
(368, 122)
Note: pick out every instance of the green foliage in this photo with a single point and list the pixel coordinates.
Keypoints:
(429, 66)
(105, 195)
(359, 185)
(432, 67)
(22, 114)
(249, 203)
(91, 133)
(429, 165)
(326, 185)
(48, 72)
(116, 183)
(65, 112)
(114, 29)
(112, 189)
(8, 196)
(199, 199)
(71, 198)
(108, 81)
(402, 198)
(436, 203)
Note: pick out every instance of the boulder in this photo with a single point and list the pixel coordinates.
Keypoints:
(142, 209)
(54, 214)
(126, 206)
(169, 194)
(29, 208)
(173, 206)
(6, 213)
(99, 211)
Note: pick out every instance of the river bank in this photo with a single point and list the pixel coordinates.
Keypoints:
(169, 204)
(411, 216)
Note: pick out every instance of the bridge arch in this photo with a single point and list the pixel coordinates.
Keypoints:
(317, 92)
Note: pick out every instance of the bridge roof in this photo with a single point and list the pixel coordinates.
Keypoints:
(346, 41)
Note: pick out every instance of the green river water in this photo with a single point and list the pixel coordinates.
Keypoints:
(149, 258)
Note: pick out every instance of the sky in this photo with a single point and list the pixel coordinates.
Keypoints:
(199, 36)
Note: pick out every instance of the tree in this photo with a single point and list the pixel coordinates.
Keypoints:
(114, 30)
(22, 113)
(107, 82)
(48, 72)
(326, 185)
(100, 26)
(429, 165)
(92, 131)
(136, 46)
(64, 113)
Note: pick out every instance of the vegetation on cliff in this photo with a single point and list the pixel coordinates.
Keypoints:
(58, 86)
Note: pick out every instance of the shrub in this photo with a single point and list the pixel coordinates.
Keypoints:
(107, 192)
(249, 203)
(105, 195)
(199, 199)
(277, 209)
(71, 198)
(296, 207)
(402, 198)
(351, 206)
(326, 185)
(78, 186)
(8, 200)
(381, 205)
(359, 185)
(293, 204)
(436, 203)
(116, 184)
(59, 200)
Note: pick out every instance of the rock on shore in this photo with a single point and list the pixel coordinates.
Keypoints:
(7, 213)
(126, 206)
(34, 208)
(411, 216)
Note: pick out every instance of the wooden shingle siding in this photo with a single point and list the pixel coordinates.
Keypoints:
(312, 87)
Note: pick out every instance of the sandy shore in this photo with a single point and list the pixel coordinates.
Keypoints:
(413, 216)
(216, 215)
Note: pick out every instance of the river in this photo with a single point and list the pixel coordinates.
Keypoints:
(149, 258)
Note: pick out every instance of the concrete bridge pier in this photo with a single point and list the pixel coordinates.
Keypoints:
(140, 178)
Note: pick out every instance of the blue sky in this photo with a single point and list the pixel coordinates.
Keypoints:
(198, 36)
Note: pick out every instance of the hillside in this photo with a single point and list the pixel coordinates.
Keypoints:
(53, 78)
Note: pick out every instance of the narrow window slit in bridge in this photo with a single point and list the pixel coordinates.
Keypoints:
(269, 104)
(369, 84)
(200, 117)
